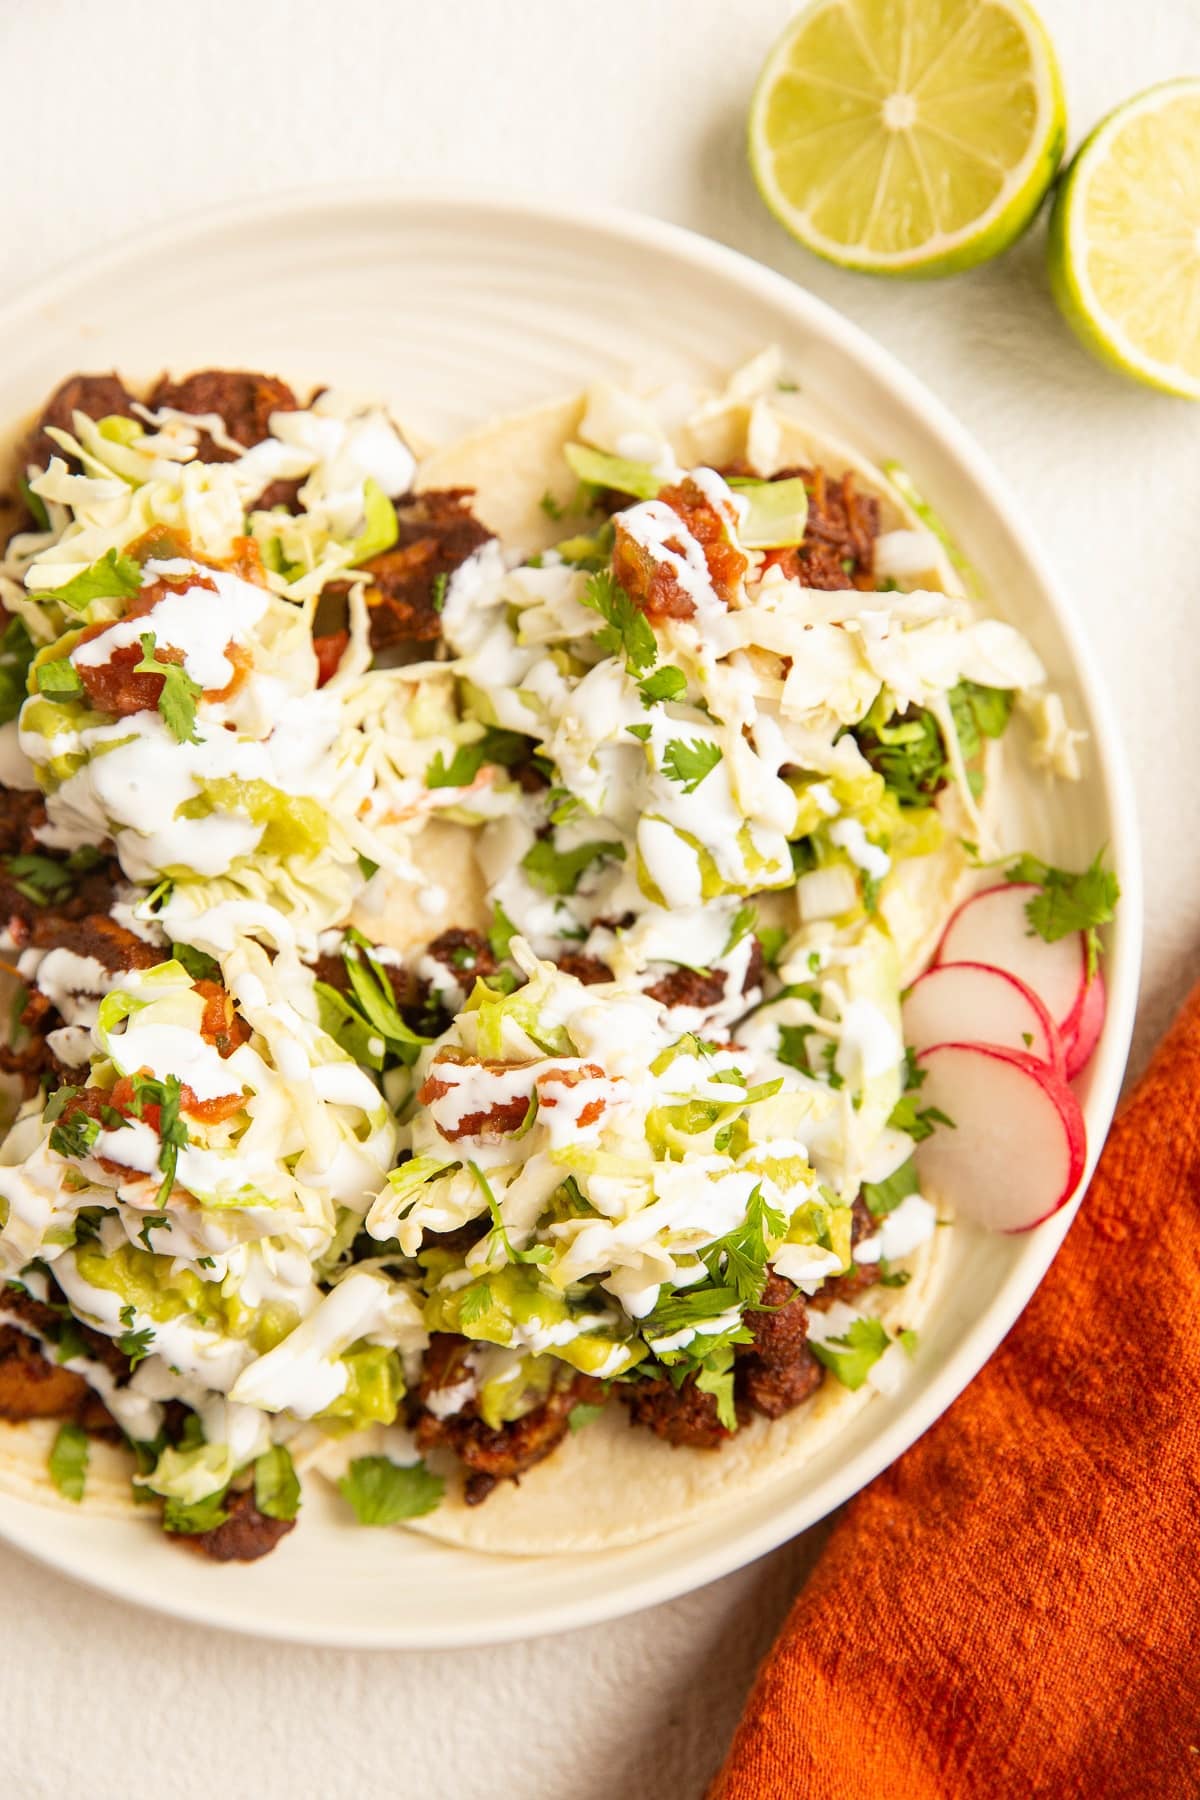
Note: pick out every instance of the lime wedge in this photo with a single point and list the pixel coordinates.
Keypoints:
(908, 137)
(1124, 248)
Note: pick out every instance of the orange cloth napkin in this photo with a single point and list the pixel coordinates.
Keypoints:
(1013, 1609)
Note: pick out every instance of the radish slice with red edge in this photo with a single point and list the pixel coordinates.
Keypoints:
(975, 1003)
(1017, 1150)
(991, 927)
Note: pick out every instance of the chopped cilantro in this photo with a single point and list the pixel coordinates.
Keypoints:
(503, 747)
(69, 1461)
(172, 1132)
(772, 938)
(154, 1221)
(883, 1197)
(476, 1304)
(16, 653)
(739, 1259)
(793, 1046)
(39, 878)
(59, 677)
(199, 965)
(189, 1518)
(640, 732)
(177, 702)
(715, 1376)
(550, 506)
(627, 632)
(1069, 902)
(560, 871)
(689, 761)
(666, 683)
(74, 1136)
(135, 1345)
(114, 577)
(383, 1492)
(853, 1355)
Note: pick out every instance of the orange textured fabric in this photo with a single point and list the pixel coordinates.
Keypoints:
(1013, 1609)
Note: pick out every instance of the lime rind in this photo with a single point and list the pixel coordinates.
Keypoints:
(1066, 254)
(986, 236)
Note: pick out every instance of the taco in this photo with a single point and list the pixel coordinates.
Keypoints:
(461, 910)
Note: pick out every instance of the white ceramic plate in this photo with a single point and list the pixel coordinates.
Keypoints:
(455, 309)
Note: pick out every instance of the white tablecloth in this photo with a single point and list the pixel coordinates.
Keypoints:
(119, 115)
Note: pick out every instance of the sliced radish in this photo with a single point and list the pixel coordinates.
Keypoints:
(1017, 1150)
(991, 927)
(1089, 1023)
(961, 1003)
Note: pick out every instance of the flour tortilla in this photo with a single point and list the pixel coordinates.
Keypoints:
(611, 1484)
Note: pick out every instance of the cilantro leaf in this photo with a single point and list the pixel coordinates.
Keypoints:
(114, 577)
(383, 1492)
(39, 878)
(59, 677)
(503, 747)
(560, 871)
(476, 1304)
(740, 1258)
(276, 1484)
(166, 1094)
(69, 1461)
(154, 1221)
(177, 702)
(689, 761)
(771, 940)
(917, 1121)
(74, 1136)
(135, 1345)
(666, 683)
(627, 631)
(793, 1046)
(199, 965)
(190, 1518)
(1069, 902)
(715, 1377)
(16, 653)
(853, 1355)
(883, 1197)
(687, 1307)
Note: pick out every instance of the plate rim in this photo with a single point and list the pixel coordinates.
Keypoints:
(884, 369)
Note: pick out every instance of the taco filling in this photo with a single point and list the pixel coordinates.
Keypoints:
(456, 930)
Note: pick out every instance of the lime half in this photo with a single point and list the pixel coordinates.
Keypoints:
(1124, 249)
(908, 137)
